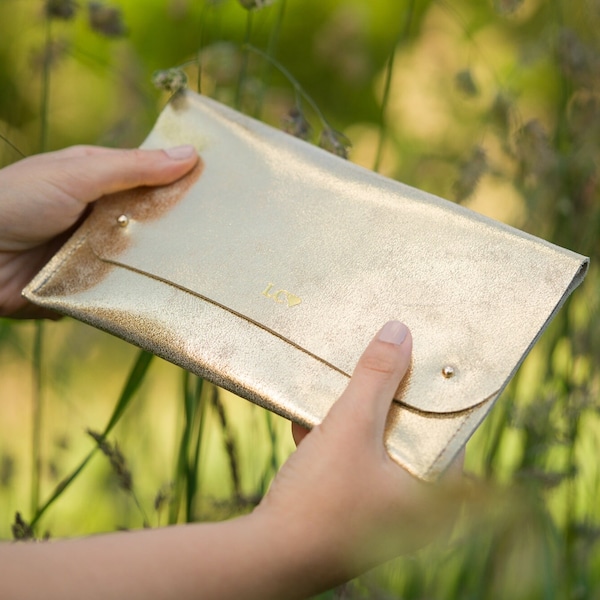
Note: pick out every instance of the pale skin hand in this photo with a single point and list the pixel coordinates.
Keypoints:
(43, 196)
(339, 505)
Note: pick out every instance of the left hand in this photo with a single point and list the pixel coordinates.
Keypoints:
(42, 197)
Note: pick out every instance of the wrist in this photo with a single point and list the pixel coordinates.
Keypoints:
(306, 557)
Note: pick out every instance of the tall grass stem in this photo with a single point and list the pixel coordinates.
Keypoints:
(271, 51)
(36, 450)
(134, 380)
(389, 73)
(12, 145)
(186, 480)
(239, 90)
(45, 87)
(231, 446)
(298, 89)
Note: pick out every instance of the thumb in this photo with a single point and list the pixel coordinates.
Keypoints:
(42, 196)
(376, 378)
(88, 173)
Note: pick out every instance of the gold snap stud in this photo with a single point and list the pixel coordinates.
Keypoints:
(123, 220)
(448, 372)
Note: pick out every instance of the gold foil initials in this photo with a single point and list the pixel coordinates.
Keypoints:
(281, 296)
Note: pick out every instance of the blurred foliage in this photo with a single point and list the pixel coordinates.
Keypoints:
(494, 104)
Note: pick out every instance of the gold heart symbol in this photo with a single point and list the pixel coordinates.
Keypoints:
(293, 300)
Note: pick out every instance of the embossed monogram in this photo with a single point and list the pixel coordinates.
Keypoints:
(281, 296)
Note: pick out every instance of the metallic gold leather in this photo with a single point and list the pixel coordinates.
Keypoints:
(270, 268)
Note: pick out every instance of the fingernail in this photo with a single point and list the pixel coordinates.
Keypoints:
(180, 152)
(393, 332)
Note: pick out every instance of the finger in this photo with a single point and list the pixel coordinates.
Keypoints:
(87, 173)
(375, 380)
(299, 433)
(53, 157)
(72, 152)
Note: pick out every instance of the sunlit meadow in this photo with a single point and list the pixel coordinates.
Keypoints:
(493, 104)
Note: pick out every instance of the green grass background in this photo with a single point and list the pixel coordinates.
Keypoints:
(494, 104)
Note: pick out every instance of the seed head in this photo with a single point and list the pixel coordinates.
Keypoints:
(584, 114)
(335, 142)
(295, 123)
(7, 470)
(470, 174)
(163, 496)
(501, 111)
(465, 83)
(106, 20)
(533, 150)
(255, 4)
(117, 460)
(21, 530)
(507, 7)
(575, 58)
(170, 80)
(60, 9)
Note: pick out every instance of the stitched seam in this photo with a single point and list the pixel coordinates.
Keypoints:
(260, 326)
(430, 414)
(226, 308)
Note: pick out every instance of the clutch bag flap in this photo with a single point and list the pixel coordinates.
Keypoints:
(270, 266)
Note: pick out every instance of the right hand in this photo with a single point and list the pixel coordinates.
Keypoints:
(340, 499)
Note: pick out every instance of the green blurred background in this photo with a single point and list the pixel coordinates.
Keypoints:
(494, 104)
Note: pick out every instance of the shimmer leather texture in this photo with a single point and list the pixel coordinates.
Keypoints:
(269, 268)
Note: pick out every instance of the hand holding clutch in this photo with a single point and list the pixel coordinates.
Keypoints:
(42, 197)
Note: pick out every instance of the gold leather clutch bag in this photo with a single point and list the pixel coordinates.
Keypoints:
(269, 268)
